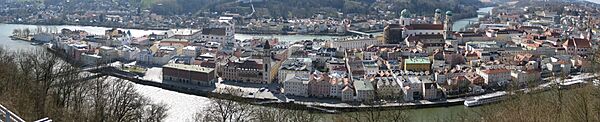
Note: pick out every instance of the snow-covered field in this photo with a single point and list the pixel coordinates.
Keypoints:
(153, 74)
(182, 107)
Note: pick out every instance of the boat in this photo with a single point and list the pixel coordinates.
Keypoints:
(485, 99)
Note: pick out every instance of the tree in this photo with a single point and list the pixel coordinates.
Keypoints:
(26, 32)
(16, 32)
(38, 84)
(221, 110)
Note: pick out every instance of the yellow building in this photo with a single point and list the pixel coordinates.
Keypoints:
(417, 64)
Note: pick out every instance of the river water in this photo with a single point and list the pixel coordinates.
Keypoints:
(184, 106)
(460, 24)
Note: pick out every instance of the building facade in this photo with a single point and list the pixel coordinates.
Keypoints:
(190, 74)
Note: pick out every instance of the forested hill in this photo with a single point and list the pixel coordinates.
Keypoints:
(307, 8)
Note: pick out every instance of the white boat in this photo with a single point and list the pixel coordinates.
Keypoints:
(485, 99)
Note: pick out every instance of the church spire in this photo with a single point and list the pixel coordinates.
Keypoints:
(437, 18)
(448, 26)
(266, 45)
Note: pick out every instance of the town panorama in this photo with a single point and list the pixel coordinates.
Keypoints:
(299, 60)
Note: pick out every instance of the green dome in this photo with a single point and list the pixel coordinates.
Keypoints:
(439, 11)
(449, 13)
(405, 13)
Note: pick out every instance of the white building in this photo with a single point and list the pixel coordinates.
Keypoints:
(430, 90)
(348, 94)
(222, 31)
(191, 51)
(296, 85)
(495, 76)
(299, 66)
(351, 43)
(365, 91)
(387, 87)
(412, 88)
(213, 35)
(127, 53)
(371, 67)
(108, 53)
(337, 86)
(525, 76)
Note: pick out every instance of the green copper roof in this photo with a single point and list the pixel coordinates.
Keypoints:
(417, 60)
(449, 13)
(405, 13)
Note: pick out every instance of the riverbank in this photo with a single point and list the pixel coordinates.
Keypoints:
(94, 25)
(22, 38)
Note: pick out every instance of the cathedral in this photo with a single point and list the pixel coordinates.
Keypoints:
(409, 31)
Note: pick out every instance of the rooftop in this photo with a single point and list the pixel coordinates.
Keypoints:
(361, 85)
(182, 31)
(192, 68)
(417, 60)
(174, 40)
(496, 71)
(425, 27)
(214, 31)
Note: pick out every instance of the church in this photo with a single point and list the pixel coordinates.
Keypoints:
(426, 36)
(396, 33)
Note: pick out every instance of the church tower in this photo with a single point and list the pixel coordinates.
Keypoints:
(589, 31)
(590, 34)
(448, 26)
(267, 62)
(405, 18)
(437, 18)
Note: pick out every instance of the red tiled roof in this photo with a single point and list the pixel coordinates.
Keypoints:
(578, 43)
(496, 71)
(425, 27)
(416, 38)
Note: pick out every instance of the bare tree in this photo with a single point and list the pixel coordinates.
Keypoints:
(42, 85)
(579, 108)
(26, 32)
(17, 32)
(221, 110)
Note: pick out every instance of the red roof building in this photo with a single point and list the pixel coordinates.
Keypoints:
(577, 46)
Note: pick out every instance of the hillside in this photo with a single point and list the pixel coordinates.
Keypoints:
(308, 8)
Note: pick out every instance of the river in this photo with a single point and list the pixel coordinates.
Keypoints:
(462, 23)
(184, 106)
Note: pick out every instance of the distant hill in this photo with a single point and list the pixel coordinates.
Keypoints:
(308, 8)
